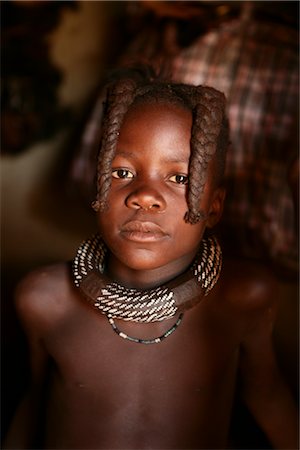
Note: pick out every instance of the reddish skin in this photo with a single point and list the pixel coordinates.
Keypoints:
(108, 393)
(154, 155)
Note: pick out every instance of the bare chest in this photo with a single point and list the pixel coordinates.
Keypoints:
(107, 392)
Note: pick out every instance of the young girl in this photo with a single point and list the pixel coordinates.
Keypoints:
(139, 344)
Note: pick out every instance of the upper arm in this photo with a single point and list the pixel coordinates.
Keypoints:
(39, 308)
(261, 381)
(32, 311)
(258, 364)
(257, 356)
(28, 297)
(264, 390)
(252, 297)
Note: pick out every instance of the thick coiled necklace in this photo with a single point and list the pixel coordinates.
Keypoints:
(163, 302)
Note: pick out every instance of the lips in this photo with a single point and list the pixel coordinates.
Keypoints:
(139, 231)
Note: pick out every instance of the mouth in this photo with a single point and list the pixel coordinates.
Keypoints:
(138, 231)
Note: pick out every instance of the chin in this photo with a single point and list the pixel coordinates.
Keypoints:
(141, 259)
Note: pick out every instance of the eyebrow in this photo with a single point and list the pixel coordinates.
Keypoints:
(125, 154)
(167, 160)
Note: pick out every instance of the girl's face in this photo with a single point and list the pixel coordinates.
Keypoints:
(144, 227)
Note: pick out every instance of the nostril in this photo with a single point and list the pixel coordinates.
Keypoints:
(135, 205)
(146, 199)
(145, 207)
(154, 206)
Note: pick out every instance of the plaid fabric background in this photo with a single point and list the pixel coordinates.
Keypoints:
(256, 65)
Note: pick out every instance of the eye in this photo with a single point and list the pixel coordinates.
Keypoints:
(122, 173)
(179, 179)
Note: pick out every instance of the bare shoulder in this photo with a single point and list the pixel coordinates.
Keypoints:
(249, 285)
(45, 295)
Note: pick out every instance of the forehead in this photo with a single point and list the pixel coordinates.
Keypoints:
(157, 126)
(159, 114)
(159, 104)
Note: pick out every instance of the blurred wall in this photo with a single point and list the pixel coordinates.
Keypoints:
(78, 47)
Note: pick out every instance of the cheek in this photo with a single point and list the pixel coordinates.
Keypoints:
(189, 236)
(106, 221)
(113, 211)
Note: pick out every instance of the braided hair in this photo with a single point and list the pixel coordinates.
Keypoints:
(209, 134)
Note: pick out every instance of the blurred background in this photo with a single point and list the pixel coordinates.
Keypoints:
(55, 58)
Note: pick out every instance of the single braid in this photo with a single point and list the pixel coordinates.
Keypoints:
(208, 113)
(118, 100)
(209, 133)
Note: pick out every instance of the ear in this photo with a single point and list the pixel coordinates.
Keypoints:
(216, 207)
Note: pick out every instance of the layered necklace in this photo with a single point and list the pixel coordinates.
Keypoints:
(145, 306)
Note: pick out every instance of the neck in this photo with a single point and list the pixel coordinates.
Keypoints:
(146, 279)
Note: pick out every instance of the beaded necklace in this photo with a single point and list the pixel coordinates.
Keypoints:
(145, 341)
(163, 302)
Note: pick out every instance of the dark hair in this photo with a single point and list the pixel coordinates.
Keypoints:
(209, 134)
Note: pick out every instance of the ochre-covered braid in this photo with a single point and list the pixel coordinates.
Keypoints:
(119, 98)
(208, 112)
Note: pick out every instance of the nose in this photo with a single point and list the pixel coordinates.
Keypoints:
(146, 198)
